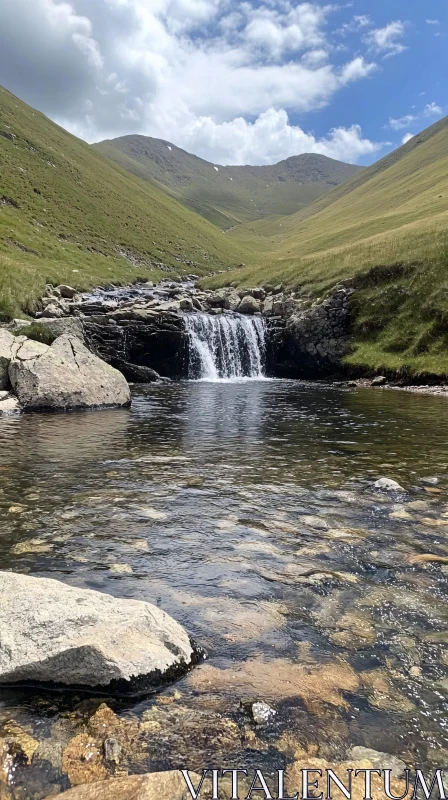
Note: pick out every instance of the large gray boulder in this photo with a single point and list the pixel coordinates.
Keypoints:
(6, 342)
(56, 634)
(249, 305)
(64, 325)
(16, 347)
(66, 376)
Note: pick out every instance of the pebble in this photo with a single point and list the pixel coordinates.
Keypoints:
(261, 712)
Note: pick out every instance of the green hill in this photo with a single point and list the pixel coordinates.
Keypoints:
(69, 215)
(391, 219)
(228, 196)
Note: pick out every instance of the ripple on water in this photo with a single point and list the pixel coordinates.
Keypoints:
(246, 511)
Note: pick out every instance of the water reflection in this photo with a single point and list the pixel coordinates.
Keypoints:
(246, 511)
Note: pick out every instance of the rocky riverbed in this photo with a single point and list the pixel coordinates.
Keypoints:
(318, 595)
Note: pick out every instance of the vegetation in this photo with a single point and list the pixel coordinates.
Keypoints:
(393, 216)
(229, 196)
(69, 215)
(38, 332)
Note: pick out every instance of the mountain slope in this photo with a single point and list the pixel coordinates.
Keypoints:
(68, 214)
(393, 218)
(228, 196)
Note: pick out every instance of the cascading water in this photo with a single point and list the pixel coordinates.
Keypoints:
(226, 346)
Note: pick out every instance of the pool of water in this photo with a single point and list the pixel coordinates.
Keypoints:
(246, 511)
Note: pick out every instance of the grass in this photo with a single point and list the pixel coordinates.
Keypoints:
(37, 332)
(69, 215)
(228, 196)
(390, 222)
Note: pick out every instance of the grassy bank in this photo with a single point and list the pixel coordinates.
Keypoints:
(69, 215)
(392, 219)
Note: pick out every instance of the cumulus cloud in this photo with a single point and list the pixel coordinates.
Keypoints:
(387, 41)
(407, 137)
(430, 110)
(270, 138)
(196, 72)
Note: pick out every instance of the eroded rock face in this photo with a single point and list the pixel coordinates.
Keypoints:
(64, 376)
(64, 325)
(6, 342)
(60, 635)
(315, 339)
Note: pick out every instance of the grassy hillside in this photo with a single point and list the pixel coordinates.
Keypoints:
(68, 214)
(391, 219)
(228, 196)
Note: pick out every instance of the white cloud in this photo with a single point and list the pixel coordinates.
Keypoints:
(432, 21)
(190, 71)
(386, 40)
(401, 122)
(430, 110)
(356, 24)
(407, 137)
(270, 138)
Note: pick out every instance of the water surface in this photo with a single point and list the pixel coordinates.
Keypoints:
(245, 510)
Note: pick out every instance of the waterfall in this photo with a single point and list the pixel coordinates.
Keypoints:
(226, 346)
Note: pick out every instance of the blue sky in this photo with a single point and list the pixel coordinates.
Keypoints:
(253, 81)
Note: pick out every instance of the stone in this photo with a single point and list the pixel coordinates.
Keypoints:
(380, 380)
(379, 760)
(6, 343)
(64, 325)
(261, 712)
(249, 305)
(54, 634)
(67, 291)
(66, 376)
(186, 304)
(170, 785)
(232, 301)
(135, 373)
(53, 310)
(388, 485)
(9, 405)
(317, 523)
(112, 750)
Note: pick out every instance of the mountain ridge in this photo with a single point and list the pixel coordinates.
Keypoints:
(228, 195)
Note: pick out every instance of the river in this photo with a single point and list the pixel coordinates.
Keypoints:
(245, 509)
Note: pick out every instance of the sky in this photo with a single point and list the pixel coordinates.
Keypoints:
(249, 82)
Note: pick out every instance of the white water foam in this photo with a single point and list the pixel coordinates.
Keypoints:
(226, 347)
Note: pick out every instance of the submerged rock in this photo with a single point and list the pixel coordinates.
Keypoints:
(262, 713)
(60, 635)
(388, 485)
(65, 376)
(154, 786)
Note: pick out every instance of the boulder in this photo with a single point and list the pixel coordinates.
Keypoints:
(249, 305)
(186, 304)
(232, 301)
(6, 342)
(388, 485)
(138, 374)
(59, 326)
(67, 291)
(65, 376)
(168, 785)
(53, 310)
(380, 380)
(9, 404)
(61, 636)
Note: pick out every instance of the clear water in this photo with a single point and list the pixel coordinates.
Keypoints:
(226, 346)
(246, 511)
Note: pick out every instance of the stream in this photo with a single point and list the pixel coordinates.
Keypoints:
(246, 510)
